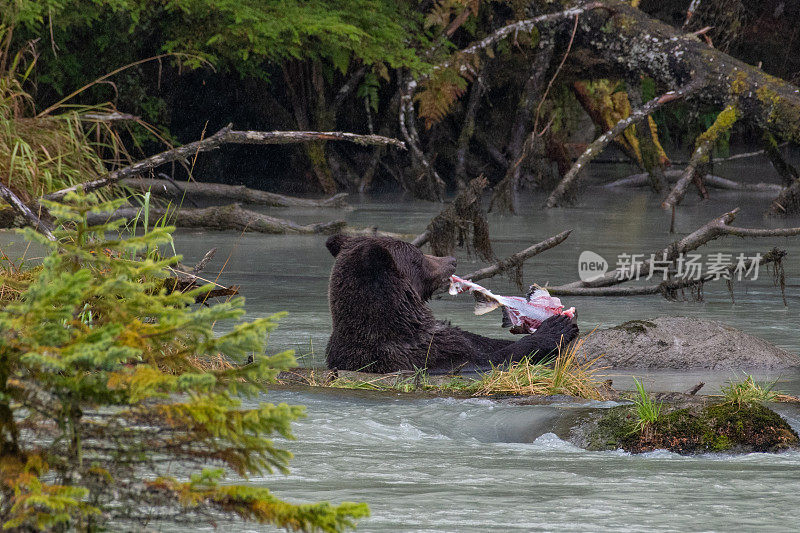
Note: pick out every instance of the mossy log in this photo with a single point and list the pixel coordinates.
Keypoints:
(628, 40)
(225, 217)
(721, 427)
(619, 40)
(231, 193)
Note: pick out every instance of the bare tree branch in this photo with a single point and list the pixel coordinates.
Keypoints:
(567, 184)
(525, 26)
(713, 229)
(516, 259)
(432, 188)
(224, 136)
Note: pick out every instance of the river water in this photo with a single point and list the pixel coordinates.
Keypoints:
(476, 465)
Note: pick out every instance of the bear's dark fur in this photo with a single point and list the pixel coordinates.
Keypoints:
(378, 291)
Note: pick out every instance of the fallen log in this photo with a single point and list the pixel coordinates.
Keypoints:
(225, 217)
(224, 136)
(717, 182)
(233, 193)
(185, 279)
(25, 212)
(619, 39)
(632, 41)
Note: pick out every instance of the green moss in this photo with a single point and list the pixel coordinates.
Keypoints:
(616, 429)
(636, 327)
(721, 427)
(783, 117)
(739, 84)
(723, 123)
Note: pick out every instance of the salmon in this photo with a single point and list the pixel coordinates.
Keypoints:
(522, 315)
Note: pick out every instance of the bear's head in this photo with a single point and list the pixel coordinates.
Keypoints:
(367, 263)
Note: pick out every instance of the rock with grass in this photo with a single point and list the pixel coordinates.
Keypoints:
(684, 343)
(722, 427)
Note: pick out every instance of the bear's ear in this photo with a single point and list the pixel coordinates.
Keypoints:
(336, 243)
(376, 260)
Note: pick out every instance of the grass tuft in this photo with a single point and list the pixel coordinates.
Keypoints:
(647, 410)
(749, 392)
(569, 373)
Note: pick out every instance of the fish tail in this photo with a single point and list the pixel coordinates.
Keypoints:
(483, 304)
(507, 323)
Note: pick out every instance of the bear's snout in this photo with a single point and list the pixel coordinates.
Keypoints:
(443, 267)
(450, 266)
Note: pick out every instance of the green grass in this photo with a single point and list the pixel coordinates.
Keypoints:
(749, 392)
(647, 410)
(61, 147)
(568, 373)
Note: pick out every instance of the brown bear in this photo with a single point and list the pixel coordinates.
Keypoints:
(378, 291)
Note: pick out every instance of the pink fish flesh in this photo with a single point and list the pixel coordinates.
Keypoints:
(520, 314)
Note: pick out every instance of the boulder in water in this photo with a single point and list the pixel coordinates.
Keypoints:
(722, 427)
(684, 343)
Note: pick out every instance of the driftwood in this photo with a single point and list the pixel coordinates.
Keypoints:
(224, 136)
(226, 217)
(714, 229)
(516, 260)
(568, 182)
(787, 202)
(669, 288)
(185, 279)
(26, 213)
(717, 182)
(231, 193)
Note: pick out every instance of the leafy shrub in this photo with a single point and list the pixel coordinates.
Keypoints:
(103, 389)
